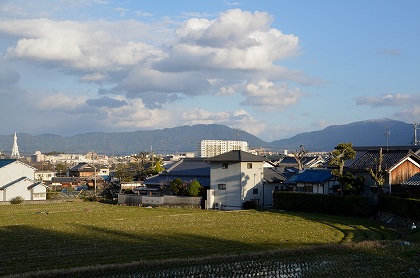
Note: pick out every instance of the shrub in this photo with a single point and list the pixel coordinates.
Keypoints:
(193, 188)
(328, 204)
(408, 208)
(176, 186)
(17, 200)
(250, 205)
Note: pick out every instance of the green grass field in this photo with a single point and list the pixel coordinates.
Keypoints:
(95, 239)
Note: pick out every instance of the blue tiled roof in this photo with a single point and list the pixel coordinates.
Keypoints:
(4, 162)
(311, 176)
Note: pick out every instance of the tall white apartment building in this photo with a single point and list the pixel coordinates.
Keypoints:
(210, 148)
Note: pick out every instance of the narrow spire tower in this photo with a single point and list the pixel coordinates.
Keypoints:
(15, 149)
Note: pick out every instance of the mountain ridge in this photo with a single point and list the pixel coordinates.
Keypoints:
(186, 139)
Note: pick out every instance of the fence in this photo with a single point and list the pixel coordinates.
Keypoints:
(132, 199)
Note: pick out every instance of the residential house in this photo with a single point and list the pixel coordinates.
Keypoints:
(399, 163)
(273, 181)
(17, 180)
(412, 186)
(316, 181)
(44, 176)
(235, 177)
(82, 169)
(91, 175)
(186, 169)
(307, 162)
(59, 183)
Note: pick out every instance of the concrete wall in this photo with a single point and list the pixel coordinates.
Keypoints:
(133, 199)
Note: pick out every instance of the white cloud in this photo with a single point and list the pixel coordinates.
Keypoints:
(60, 102)
(407, 105)
(224, 91)
(270, 97)
(388, 100)
(145, 66)
(90, 46)
(236, 119)
(235, 40)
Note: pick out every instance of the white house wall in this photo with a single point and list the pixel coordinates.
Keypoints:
(231, 198)
(14, 171)
(252, 179)
(240, 182)
(17, 189)
(38, 193)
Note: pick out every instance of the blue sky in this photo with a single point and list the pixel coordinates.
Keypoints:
(271, 68)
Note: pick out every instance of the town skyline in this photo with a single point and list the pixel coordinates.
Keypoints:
(273, 70)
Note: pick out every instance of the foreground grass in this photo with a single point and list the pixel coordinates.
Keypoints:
(76, 236)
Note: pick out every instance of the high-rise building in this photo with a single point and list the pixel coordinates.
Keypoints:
(15, 148)
(210, 148)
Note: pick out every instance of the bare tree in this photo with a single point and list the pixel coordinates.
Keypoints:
(378, 174)
(299, 154)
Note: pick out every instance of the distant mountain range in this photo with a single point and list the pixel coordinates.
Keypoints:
(186, 139)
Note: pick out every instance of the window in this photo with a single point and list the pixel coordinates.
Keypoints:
(221, 186)
(255, 191)
(308, 188)
(249, 165)
(224, 165)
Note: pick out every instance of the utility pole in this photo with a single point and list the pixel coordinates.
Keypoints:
(415, 141)
(94, 169)
(387, 133)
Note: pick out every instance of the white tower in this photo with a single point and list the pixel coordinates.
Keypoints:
(15, 149)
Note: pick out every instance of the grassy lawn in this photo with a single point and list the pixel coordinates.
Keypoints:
(79, 234)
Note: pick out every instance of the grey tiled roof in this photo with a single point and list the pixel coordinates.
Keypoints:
(271, 175)
(36, 184)
(370, 159)
(236, 156)
(186, 169)
(12, 183)
(413, 181)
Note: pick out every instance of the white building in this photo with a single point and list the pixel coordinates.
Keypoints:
(235, 177)
(17, 179)
(44, 176)
(210, 148)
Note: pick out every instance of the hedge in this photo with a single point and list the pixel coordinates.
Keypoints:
(327, 204)
(403, 207)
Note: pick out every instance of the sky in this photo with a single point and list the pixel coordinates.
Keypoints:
(270, 68)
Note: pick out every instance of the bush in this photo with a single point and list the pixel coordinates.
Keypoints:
(250, 205)
(17, 200)
(193, 188)
(408, 208)
(328, 204)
